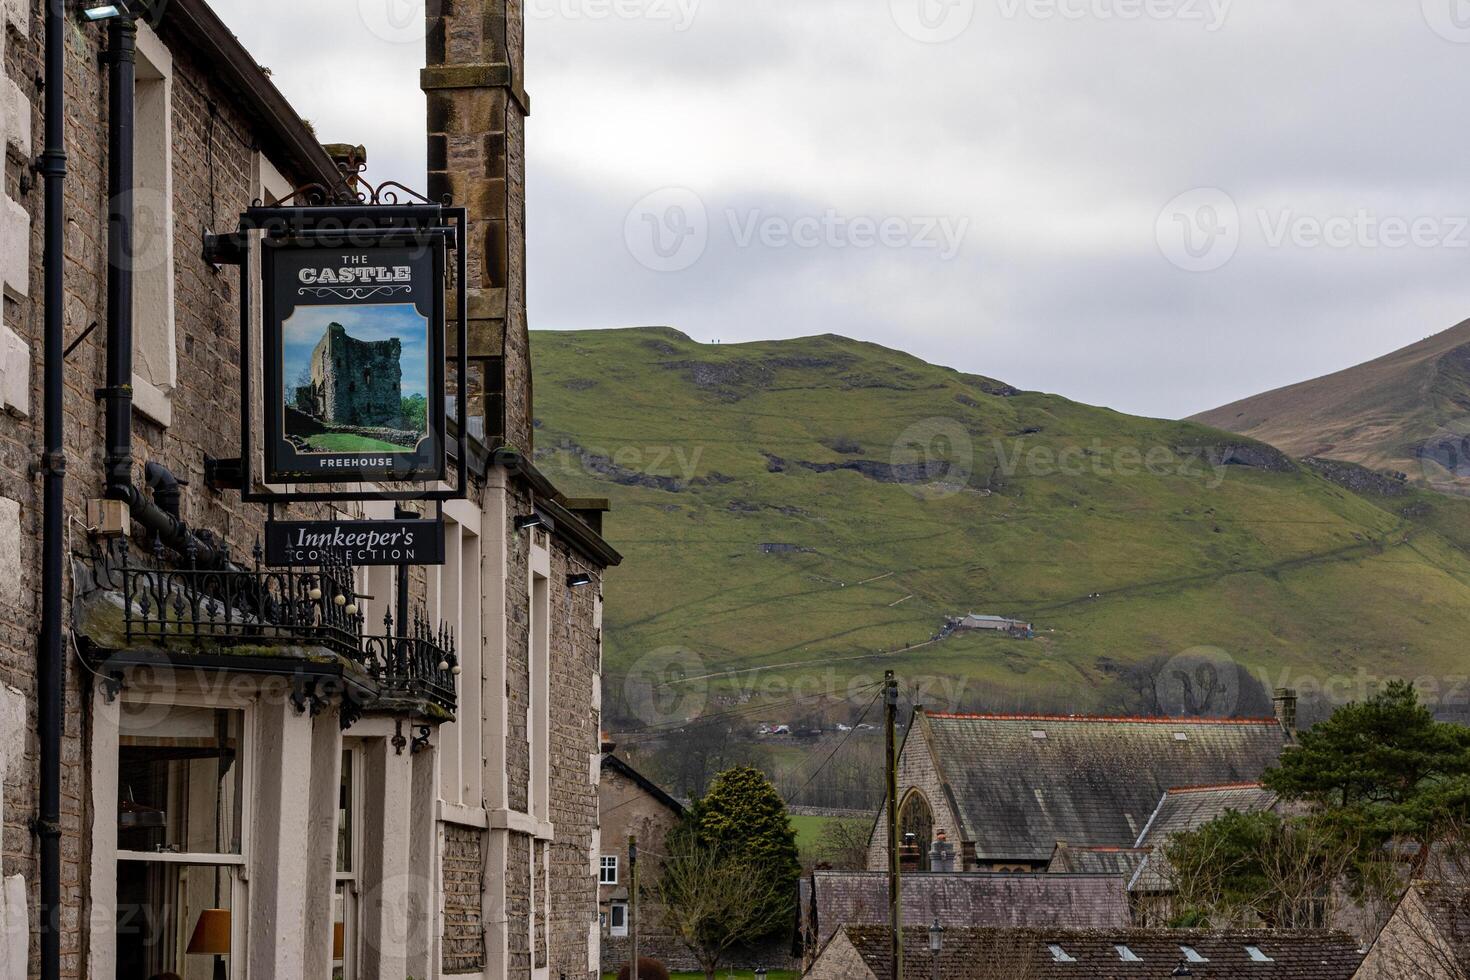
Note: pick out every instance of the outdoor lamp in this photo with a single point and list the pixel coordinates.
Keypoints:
(579, 579)
(212, 938)
(105, 12)
(760, 973)
(528, 521)
(936, 937)
(1182, 970)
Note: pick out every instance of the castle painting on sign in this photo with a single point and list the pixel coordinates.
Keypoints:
(354, 341)
(357, 379)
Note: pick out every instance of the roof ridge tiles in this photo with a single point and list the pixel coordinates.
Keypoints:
(1115, 719)
(1213, 788)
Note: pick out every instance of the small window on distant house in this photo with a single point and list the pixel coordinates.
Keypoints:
(1127, 955)
(1059, 955)
(1254, 952)
(1181, 736)
(617, 919)
(609, 874)
(1190, 954)
(1038, 733)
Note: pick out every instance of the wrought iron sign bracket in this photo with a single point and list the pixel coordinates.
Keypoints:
(317, 216)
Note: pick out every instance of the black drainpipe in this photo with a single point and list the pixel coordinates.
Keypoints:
(51, 670)
(121, 112)
(161, 515)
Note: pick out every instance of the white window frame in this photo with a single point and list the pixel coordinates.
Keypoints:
(239, 895)
(538, 727)
(155, 341)
(613, 929)
(609, 861)
(349, 881)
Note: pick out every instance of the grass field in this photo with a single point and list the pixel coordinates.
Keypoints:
(344, 442)
(1122, 538)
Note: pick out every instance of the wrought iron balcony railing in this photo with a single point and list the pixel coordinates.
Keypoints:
(191, 607)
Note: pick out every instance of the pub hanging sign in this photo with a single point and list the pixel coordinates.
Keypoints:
(361, 543)
(354, 359)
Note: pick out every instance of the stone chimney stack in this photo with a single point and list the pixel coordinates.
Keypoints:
(477, 108)
(1285, 702)
(941, 853)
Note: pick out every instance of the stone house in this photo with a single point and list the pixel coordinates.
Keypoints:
(631, 805)
(1426, 938)
(863, 953)
(248, 790)
(1008, 788)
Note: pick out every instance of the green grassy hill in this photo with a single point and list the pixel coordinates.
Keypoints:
(800, 515)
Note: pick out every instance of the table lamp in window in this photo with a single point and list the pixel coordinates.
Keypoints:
(212, 938)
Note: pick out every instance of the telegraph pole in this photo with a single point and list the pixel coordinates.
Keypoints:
(890, 730)
(633, 903)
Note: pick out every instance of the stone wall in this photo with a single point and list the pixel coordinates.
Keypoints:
(576, 663)
(463, 863)
(213, 153)
(358, 383)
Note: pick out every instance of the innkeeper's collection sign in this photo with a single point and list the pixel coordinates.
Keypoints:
(354, 359)
(359, 543)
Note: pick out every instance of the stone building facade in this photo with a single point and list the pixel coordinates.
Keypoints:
(635, 807)
(279, 801)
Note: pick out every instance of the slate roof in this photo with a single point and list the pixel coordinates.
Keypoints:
(832, 899)
(1084, 779)
(1005, 954)
(1188, 808)
(1071, 859)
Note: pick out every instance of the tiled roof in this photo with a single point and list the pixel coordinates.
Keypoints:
(1006, 954)
(1071, 859)
(964, 899)
(1189, 808)
(1023, 782)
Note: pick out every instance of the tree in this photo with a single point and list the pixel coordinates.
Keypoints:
(715, 903)
(730, 876)
(843, 844)
(1242, 869)
(742, 817)
(1383, 770)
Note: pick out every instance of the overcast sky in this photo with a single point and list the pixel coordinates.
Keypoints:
(1156, 205)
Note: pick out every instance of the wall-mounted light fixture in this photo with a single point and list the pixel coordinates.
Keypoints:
(578, 579)
(106, 11)
(527, 521)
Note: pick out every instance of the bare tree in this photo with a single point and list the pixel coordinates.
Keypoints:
(843, 844)
(715, 904)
